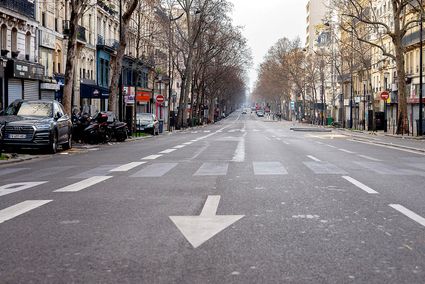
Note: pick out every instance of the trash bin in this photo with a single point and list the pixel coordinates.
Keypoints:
(330, 120)
(161, 126)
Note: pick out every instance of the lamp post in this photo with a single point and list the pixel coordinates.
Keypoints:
(364, 104)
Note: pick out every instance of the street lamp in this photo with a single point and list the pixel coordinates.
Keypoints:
(420, 126)
(364, 104)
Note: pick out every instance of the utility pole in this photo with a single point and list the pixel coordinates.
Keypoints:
(120, 100)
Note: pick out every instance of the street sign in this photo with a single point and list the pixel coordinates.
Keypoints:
(160, 99)
(199, 229)
(385, 95)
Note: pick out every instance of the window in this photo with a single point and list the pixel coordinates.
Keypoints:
(3, 37)
(27, 45)
(14, 39)
(43, 19)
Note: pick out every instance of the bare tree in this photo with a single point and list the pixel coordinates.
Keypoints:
(361, 19)
(116, 63)
(78, 7)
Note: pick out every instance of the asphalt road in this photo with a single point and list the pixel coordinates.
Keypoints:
(243, 201)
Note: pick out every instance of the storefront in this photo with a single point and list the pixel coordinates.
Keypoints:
(22, 80)
(94, 98)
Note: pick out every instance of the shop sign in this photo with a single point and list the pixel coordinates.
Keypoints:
(47, 39)
(49, 86)
(26, 70)
(143, 95)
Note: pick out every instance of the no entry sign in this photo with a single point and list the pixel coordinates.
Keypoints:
(385, 95)
(160, 99)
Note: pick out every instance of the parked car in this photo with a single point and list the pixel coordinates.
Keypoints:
(260, 113)
(35, 124)
(147, 122)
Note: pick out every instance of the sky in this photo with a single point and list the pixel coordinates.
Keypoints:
(265, 21)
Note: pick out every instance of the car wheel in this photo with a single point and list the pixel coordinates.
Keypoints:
(53, 148)
(68, 144)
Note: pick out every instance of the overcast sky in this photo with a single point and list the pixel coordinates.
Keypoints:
(265, 21)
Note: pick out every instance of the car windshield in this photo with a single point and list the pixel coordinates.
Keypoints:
(39, 109)
(144, 116)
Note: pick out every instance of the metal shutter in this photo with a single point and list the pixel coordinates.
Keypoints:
(31, 89)
(47, 95)
(14, 89)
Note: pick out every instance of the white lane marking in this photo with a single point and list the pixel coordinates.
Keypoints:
(313, 158)
(83, 184)
(20, 208)
(346, 151)
(179, 146)
(320, 143)
(207, 131)
(239, 155)
(187, 143)
(360, 185)
(278, 139)
(331, 146)
(127, 167)
(168, 151)
(152, 157)
(155, 170)
(287, 143)
(409, 213)
(211, 206)
(15, 187)
(194, 140)
(370, 158)
(256, 130)
(388, 147)
(267, 138)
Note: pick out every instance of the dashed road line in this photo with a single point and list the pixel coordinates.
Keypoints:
(409, 213)
(20, 208)
(313, 158)
(15, 187)
(151, 157)
(187, 143)
(179, 146)
(83, 184)
(369, 158)
(388, 147)
(360, 185)
(168, 151)
(127, 167)
(346, 151)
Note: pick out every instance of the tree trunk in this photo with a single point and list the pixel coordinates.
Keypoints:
(71, 56)
(117, 61)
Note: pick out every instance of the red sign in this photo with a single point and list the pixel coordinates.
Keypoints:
(160, 99)
(385, 95)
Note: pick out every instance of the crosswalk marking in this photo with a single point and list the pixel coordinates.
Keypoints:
(151, 157)
(168, 151)
(212, 169)
(15, 187)
(127, 167)
(269, 168)
(20, 208)
(155, 170)
(326, 168)
(101, 170)
(83, 184)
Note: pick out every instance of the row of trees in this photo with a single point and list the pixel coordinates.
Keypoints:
(358, 30)
(206, 51)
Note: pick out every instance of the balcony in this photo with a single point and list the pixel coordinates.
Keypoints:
(81, 31)
(108, 45)
(411, 40)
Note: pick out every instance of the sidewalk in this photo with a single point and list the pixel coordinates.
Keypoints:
(405, 142)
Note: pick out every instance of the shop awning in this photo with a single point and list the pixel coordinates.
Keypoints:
(88, 91)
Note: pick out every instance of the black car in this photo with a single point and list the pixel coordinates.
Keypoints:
(35, 124)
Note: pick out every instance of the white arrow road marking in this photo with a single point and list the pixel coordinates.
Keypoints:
(360, 185)
(199, 229)
(14, 187)
(127, 167)
(409, 213)
(168, 151)
(151, 157)
(20, 208)
(83, 184)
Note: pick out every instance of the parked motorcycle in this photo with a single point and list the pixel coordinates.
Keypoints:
(80, 121)
(98, 131)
